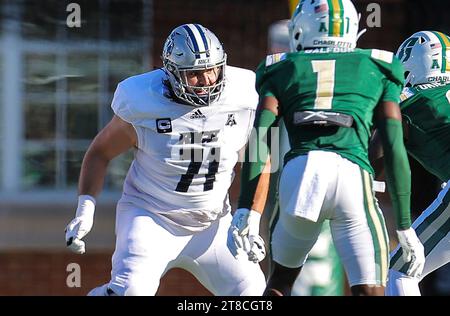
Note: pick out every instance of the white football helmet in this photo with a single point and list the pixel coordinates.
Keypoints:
(323, 23)
(193, 47)
(426, 58)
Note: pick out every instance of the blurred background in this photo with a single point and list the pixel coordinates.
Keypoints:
(57, 83)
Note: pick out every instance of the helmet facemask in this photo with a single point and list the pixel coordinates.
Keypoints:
(196, 95)
(190, 48)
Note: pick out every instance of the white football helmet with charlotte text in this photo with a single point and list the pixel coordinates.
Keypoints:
(425, 56)
(192, 47)
(324, 23)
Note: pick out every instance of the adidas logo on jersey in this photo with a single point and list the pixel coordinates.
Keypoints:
(197, 115)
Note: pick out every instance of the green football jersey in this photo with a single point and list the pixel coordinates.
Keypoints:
(426, 110)
(350, 82)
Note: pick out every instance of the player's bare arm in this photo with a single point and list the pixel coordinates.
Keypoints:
(269, 103)
(116, 138)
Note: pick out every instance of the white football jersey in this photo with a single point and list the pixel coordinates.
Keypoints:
(184, 163)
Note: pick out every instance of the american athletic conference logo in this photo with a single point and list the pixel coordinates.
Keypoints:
(231, 120)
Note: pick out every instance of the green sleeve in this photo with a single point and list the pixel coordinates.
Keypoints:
(263, 83)
(393, 83)
(392, 91)
(256, 155)
(266, 91)
(397, 71)
(393, 72)
(398, 173)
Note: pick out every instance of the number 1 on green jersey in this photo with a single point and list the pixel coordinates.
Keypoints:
(325, 83)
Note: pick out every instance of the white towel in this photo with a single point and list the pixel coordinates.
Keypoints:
(302, 193)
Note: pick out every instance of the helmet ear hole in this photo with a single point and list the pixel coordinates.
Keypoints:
(422, 40)
(170, 68)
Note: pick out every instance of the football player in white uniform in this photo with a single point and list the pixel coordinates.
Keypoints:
(188, 122)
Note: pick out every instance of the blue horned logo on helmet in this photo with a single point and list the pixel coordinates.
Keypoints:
(168, 47)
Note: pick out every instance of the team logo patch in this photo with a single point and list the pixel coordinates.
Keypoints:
(231, 120)
(406, 93)
(164, 125)
(273, 59)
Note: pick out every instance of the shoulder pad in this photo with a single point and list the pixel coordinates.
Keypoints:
(273, 59)
(382, 55)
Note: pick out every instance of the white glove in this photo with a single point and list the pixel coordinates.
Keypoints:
(81, 225)
(243, 235)
(412, 251)
(257, 251)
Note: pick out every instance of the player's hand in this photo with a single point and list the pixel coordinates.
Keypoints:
(235, 242)
(413, 251)
(257, 249)
(81, 225)
(243, 235)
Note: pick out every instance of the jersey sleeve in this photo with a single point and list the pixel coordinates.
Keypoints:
(120, 104)
(263, 84)
(393, 84)
(251, 121)
(391, 91)
(393, 72)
